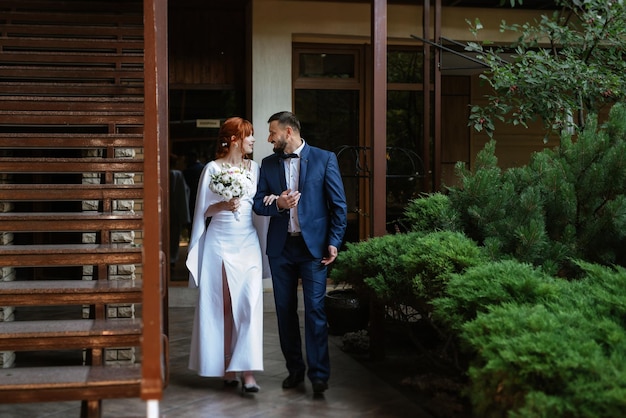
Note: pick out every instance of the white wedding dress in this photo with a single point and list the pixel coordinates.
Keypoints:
(235, 244)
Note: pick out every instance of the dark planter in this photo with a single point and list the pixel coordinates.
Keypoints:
(345, 311)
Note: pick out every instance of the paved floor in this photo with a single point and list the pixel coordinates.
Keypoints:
(353, 390)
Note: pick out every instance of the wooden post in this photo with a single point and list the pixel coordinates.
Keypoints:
(154, 305)
(379, 147)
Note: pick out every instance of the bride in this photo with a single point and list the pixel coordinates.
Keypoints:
(225, 264)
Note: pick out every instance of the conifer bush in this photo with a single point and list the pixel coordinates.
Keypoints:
(567, 203)
(540, 346)
(406, 271)
(363, 261)
(548, 361)
(486, 285)
(431, 212)
(406, 268)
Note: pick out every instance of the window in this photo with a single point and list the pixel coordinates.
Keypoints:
(328, 101)
(327, 65)
(405, 113)
(329, 98)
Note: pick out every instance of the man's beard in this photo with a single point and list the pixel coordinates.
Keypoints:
(279, 148)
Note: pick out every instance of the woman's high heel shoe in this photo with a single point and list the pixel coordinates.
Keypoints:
(249, 387)
(230, 383)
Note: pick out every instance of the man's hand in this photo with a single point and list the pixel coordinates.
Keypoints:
(288, 199)
(332, 254)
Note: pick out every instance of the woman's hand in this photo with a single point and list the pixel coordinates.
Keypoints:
(268, 200)
(231, 205)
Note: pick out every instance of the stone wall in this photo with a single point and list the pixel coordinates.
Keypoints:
(114, 356)
(7, 358)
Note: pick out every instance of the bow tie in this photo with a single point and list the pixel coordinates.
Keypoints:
(292, 155)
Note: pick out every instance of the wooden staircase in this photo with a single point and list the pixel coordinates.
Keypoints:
(73, 157)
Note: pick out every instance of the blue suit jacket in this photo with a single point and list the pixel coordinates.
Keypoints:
(322, 209)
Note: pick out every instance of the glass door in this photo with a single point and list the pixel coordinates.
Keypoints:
(328, 101)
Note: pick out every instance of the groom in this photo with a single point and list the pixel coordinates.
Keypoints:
(307, 225)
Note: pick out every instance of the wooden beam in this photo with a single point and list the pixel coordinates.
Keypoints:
(379, 158)
(155, 187)
(426, 132)
(436, 167)
(379, 116)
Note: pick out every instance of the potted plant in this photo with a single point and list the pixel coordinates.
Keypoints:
(346, 311)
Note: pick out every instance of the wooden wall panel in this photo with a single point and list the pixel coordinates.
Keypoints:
(514, 144)
(205, 48)
(455, 135)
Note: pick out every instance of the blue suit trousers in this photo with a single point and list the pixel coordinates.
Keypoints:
(294, 263)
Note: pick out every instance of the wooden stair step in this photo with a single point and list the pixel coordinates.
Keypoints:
(68, 383)
(69, 292)
(88, 58)
(99, 12)
(69, 165)
(69, 334)
(70, 45)
(69, 221)
(55, 118)
(69, 192)
(68, 255)
(57, 141)
(95, 89)
(60, 73)
(121, 105)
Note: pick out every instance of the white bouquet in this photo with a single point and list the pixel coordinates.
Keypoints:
(231, 182)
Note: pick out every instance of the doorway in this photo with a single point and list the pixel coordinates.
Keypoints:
(207, 84)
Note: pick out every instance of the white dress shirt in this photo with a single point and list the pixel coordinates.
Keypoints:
(292, 175)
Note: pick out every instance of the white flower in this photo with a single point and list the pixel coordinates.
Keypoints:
(231, 182)
(219, 188)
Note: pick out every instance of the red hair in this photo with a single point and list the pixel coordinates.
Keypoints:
(233, 129)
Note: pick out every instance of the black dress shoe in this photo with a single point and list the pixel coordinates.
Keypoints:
(292, 381)
(319, 386)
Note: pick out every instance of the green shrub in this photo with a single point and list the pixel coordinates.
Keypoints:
(434, 258)
(402, 268)
(408, 269)
(538, 345)
(606, 287)
(481, 287)
(431, 212)
(364, 260)
(541, 347)
(551, 361)
(567, 203)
